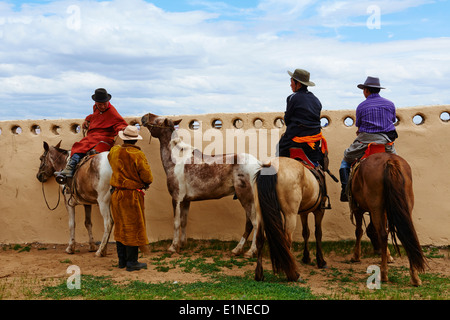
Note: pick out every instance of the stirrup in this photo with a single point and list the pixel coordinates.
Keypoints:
(327, 207)
(61, 179)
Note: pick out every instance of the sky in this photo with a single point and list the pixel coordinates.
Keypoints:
(178, 57)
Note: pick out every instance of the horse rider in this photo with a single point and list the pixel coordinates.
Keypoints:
(375, 118)
(302, 119)
(102, 127)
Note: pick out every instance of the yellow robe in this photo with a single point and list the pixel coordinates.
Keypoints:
(131, 173)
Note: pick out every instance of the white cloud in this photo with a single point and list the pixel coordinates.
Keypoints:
(197, 62)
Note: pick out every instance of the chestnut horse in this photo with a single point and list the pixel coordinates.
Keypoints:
(194, 176)
(90, 185)
(284, 189)
(382, 185)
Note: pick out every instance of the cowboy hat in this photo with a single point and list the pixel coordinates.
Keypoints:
(101, 95)
(302, 76)
(371, 82)
(130, 133)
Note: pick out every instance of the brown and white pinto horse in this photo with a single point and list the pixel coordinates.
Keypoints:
(194, 176)
(284, 189)
(91, 185)
(382, 185)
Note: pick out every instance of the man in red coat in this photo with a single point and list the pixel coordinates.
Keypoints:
(103, 126)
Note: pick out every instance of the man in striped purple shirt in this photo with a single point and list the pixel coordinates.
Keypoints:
(375, 118)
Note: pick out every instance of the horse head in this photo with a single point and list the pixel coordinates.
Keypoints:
(158, 125)
(53, 159)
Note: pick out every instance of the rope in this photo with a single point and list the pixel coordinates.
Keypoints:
(45, 198)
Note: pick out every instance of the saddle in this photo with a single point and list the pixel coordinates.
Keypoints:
(70, 187)
(318, 172)
(372, 148)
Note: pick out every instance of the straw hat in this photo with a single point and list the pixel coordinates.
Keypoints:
(130, 133)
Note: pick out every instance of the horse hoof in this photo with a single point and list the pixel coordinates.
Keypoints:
(323, 266)
(172, 249)
(70, 250)
(236, 252)
(249, 254)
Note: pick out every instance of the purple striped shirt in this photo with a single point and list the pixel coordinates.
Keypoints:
(375, 114)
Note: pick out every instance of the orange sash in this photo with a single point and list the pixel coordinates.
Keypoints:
(311, 141)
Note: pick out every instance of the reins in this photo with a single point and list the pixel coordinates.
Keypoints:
(45, 198)
(154, 126)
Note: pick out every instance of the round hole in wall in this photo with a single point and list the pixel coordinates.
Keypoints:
(217, 124)
(324, 122)
(0, 131)
(16, 130)
(194, 125)
(418, 119)
(56, 130)
(397, 121)
(238, 123)
(35, 129)
(348, 121)
(258, 123)
(445, 116)
(75, 128)
(279, 123)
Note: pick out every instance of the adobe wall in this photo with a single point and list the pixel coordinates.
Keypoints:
(24, 216)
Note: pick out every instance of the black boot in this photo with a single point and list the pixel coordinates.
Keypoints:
(61, 177)
(122, 254)
(344, 174)
(132, 259)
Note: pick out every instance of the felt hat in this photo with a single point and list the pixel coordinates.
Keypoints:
(371, 82)
(302, 76)
(101, 95)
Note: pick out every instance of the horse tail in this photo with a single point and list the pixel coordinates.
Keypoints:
(398, 215)
(279, 244)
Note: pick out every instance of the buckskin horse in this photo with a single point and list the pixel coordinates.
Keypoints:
(90, 186)
(284, 189)
(382, 185)
(194, 176)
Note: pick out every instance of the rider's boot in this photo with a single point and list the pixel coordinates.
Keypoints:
(68, 171)
(344, 174)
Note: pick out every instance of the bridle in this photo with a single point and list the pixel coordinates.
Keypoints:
(151, 126)
(43, 164)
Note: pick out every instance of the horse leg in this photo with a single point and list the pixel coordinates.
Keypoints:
(240, 246)
(379, 221)
(176, 226)
(71, 212)
(358, 234)
(260, 238)
(415, 280)
(88, 225)
(305, 233)
(318, 216)
(184, 210)
(107, 227)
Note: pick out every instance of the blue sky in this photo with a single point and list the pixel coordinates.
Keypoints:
(197, 56)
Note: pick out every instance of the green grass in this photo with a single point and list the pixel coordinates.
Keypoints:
(217, 288)
(209, 261)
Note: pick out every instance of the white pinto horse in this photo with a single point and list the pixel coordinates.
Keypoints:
(90, 185)
(193, 176)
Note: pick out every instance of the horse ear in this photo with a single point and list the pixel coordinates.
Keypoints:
(58, 145)
(177, 122)
(46, 147)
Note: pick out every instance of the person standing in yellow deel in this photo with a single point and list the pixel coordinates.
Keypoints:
(131, 175)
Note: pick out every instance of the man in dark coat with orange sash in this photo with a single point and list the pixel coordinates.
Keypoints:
(103, 126)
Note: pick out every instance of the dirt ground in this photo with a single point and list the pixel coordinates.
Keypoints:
(23, 272)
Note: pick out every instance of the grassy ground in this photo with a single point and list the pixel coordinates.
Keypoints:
(212, 262)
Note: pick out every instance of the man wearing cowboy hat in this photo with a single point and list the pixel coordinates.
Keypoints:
(102, 127)
(302, 119)
(375, 118)
(131, 174)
